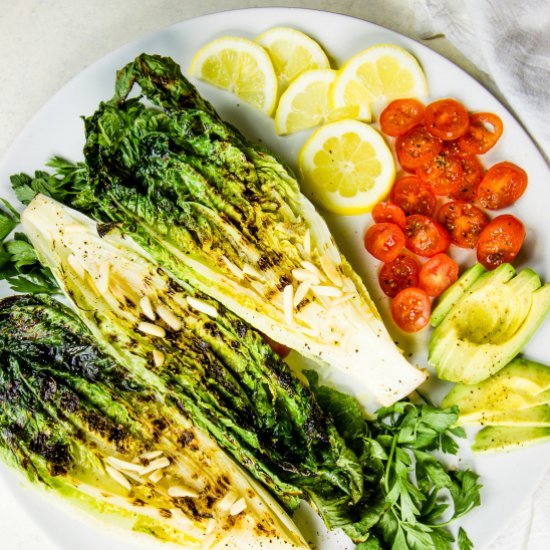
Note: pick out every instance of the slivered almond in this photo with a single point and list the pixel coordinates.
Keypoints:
(152, 329)
(288, 305)
(313, 268)
(177, 491)
(233, 268)
(330, 270)
(134, 477)
(151, 454)
(123, 464)
(118, 477)
(227, 501)
(147, 308)
(156, 476)
(326, 290)
(305, 275)
(157, 464)
(301, 292)
(169, 317)
(238, 507)
(158, 358)
(252, 272)
(201, 306)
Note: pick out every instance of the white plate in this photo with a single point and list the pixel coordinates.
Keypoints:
(508, 479)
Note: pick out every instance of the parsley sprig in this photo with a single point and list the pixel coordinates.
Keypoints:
(421, 495)
(19, 264)
(411, 495)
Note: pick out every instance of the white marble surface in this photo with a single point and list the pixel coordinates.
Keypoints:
(44, 43)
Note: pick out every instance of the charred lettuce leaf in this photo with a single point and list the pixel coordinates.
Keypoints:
(200, 357)
(77, 423)
(227, 217)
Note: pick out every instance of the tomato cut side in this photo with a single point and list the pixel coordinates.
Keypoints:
(442, 174)
(400, 116)
(411, 309)
(398, 274)
(438, 274)
(500, 241)
(463, 221)
(483, 132)
(503, 184)
(472, 174)
(446, 119)
(425, 236)
(389, 212)
(384, 241)
(280, 349)
(413, 196)
(417, 147)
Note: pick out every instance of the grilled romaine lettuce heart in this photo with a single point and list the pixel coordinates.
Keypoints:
(82, 425)
(202, 358)
(227, 217)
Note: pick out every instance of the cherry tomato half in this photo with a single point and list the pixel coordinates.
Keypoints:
(280, 349)
(411, 309)
(438, 274)
(413, 196)
(389, 212)
(400, 116)
(425, 236)
(472, 174)
(446, 119)
(463, 221)
(416, 147)
(398, 274)
(502, 185)
(500, 241)
(484, 131)
(442, 174)
(384, 241)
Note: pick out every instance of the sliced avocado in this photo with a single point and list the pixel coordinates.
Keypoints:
(449, 298)
(508, 438)
(488, 325)
(538, 416)
(519, 385)
(502, 400)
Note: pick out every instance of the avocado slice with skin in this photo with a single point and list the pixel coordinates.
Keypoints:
(508, 438)
(519, 385)
(451, 296)
(538, 416)
(488, 324)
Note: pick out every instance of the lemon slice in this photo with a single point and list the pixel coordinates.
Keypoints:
(305, 103)
(240, 66)
(292, 53)
(346, 167)
(377, 75)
